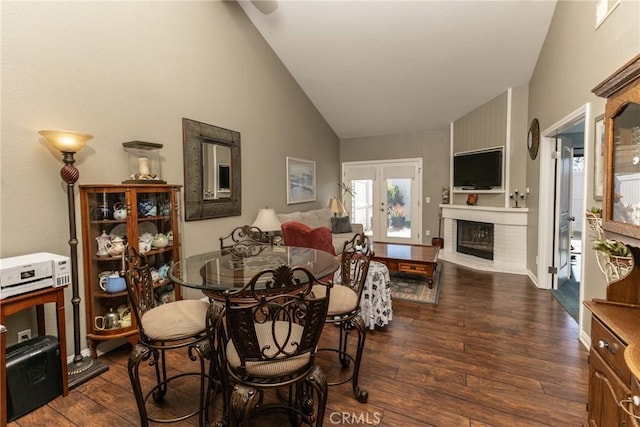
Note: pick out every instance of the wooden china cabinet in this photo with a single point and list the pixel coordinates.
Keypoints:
(614, 362)
(113, 215)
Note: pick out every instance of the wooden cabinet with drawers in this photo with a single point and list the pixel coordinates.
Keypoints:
(613, 370)
(609, 375)
(613, 328)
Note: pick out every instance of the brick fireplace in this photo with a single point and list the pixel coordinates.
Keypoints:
(509, 237)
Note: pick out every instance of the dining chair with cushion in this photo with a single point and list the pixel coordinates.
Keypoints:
(344, 308)
(266, 340)
(170, 326)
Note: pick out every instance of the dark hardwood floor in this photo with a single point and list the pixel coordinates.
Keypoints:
(495, 351)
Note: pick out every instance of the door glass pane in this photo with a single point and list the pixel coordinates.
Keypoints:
(362, 204)
(398, 208)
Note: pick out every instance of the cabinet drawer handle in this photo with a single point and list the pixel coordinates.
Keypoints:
(635, 400)
(604, 344)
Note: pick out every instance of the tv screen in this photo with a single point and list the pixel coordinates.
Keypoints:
(480, 170)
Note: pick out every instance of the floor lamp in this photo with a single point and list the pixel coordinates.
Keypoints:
(82, 368)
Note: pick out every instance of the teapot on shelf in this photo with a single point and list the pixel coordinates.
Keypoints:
(110, 320)
(119, 211)
(113, 283)
(163, 270)
(164, 207)
(160, 240)
(115, 246)
(155, 276)
(144, 242)
(147, 208)
(124, 311)
(103, 241)
(100, 212)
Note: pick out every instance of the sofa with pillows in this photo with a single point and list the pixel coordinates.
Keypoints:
(340, 227)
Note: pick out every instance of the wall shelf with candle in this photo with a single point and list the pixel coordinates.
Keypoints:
(144, 162)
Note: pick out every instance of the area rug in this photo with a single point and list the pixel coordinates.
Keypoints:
(568, 295)
(415, 288)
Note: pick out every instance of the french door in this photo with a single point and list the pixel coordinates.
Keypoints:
(386, 198)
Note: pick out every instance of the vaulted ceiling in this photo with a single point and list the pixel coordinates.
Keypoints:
(394, 66)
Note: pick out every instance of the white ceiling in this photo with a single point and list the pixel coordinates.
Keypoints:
(394, 66)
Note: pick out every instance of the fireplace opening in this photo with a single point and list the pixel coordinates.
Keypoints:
(475, 238)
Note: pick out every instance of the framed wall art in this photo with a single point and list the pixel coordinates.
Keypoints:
(301, 180)
(598, 163)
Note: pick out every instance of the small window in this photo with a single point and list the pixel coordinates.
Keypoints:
(604, 9)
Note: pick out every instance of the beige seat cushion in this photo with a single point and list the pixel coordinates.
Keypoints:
(272, 368)
(175, 319)
(342, 300)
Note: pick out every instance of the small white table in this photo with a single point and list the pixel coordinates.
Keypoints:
(375, 302)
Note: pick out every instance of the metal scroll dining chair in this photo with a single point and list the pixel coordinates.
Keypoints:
(265, 338)
(344, 307)
(243, 237)
(174, 325)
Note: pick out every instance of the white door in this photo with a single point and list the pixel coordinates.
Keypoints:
(386, 199)
(563, 211)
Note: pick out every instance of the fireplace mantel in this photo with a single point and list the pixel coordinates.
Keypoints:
(510, 237)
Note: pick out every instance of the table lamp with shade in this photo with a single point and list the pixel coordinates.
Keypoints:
(268, 221)
(81, 369)
(336, 206)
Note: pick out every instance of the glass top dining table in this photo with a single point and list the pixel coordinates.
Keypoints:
(215, 272)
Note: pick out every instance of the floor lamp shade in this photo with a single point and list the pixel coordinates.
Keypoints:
(66, 141)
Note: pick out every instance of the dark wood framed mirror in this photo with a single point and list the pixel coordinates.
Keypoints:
(212, 172)
(622, 157)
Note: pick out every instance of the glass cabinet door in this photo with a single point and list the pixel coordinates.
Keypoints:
(625, 203)
(114, 217)
(105, 234)
(621, 204)
(155, 237)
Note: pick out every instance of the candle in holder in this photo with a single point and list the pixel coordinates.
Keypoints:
(143, 166)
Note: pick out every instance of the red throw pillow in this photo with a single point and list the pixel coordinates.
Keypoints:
(298, 234)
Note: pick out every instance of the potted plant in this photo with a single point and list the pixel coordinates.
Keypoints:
(595, 211)
(618, 253)
(395, 196)
(397, 216)
(594, 219)
(344, 190)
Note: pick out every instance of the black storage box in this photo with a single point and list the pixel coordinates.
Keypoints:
(34, 375)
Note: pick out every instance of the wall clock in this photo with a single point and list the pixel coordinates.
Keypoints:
(533, 139)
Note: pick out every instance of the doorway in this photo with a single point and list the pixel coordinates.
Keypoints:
(386, 198)
(562, 206)
(569, 184)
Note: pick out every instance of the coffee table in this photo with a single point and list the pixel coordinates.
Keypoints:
(411, 259)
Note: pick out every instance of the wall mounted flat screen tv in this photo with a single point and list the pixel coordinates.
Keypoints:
(478, 170)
